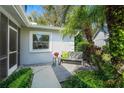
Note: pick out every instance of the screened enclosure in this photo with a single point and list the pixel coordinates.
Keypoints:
(8, 46)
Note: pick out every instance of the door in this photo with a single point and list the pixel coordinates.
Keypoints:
(12, 49)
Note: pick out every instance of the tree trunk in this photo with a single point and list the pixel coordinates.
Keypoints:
(90, 48)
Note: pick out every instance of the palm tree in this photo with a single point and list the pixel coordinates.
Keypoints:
(82, 18)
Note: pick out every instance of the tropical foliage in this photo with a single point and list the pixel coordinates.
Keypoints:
(115, 21)
(90, 79)
(84, 20)
(83, 79)
(110, 65)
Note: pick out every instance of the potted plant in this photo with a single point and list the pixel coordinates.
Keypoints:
(56, 58)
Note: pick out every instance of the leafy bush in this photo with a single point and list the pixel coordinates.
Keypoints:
(84, 79)
(107, 72)
(98, 52)
(96, 79)
(103, 62)
(106, 48)
(106, 57)
(78, 47)
(91, 79)
(81, 46)
(20, 79)
(78, 39)
(65, 54)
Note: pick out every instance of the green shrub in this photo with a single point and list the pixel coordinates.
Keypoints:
(81, 46)
(72, 82)
(92, 79)
(106, 57)
(103, 63)
(19, 79)
(106, 48)
(78, 47)
(65, 54)
(108, 71)
(84, 79)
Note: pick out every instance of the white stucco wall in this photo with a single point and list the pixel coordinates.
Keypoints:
(62, 44)
(58, 44)
(100, 39)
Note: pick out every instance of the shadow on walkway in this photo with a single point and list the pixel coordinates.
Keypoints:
(65, 70)
(61, 72)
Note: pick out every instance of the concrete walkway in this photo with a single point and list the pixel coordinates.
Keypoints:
(61, 73)
(64, 70)
(44, 77)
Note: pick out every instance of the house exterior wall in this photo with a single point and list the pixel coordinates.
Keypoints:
(58, 44)
(28, 57)
(62, 44)
(100, 39)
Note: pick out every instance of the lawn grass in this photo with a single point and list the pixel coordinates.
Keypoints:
(20, 79)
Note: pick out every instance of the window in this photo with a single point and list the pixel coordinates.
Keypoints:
(40, 41)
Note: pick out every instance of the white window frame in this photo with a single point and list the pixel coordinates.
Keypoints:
(31, 41)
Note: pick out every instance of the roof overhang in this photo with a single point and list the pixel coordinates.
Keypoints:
(18, 13)
(44, 27)
(19, 10)
(11, 12)
(28, 24)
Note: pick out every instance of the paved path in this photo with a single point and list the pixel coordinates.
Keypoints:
(61, 73)
(44, 77)
(65, 70)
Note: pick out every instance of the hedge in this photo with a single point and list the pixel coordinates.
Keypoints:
(19, 79)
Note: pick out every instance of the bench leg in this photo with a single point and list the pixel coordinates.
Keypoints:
(61, 61)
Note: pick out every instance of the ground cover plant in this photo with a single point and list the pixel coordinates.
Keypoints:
(83, 79)
(19, 79)
(91, 79)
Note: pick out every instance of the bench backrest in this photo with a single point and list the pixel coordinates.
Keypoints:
(75, 55)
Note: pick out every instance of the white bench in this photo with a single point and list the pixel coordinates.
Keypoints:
(74, 58)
